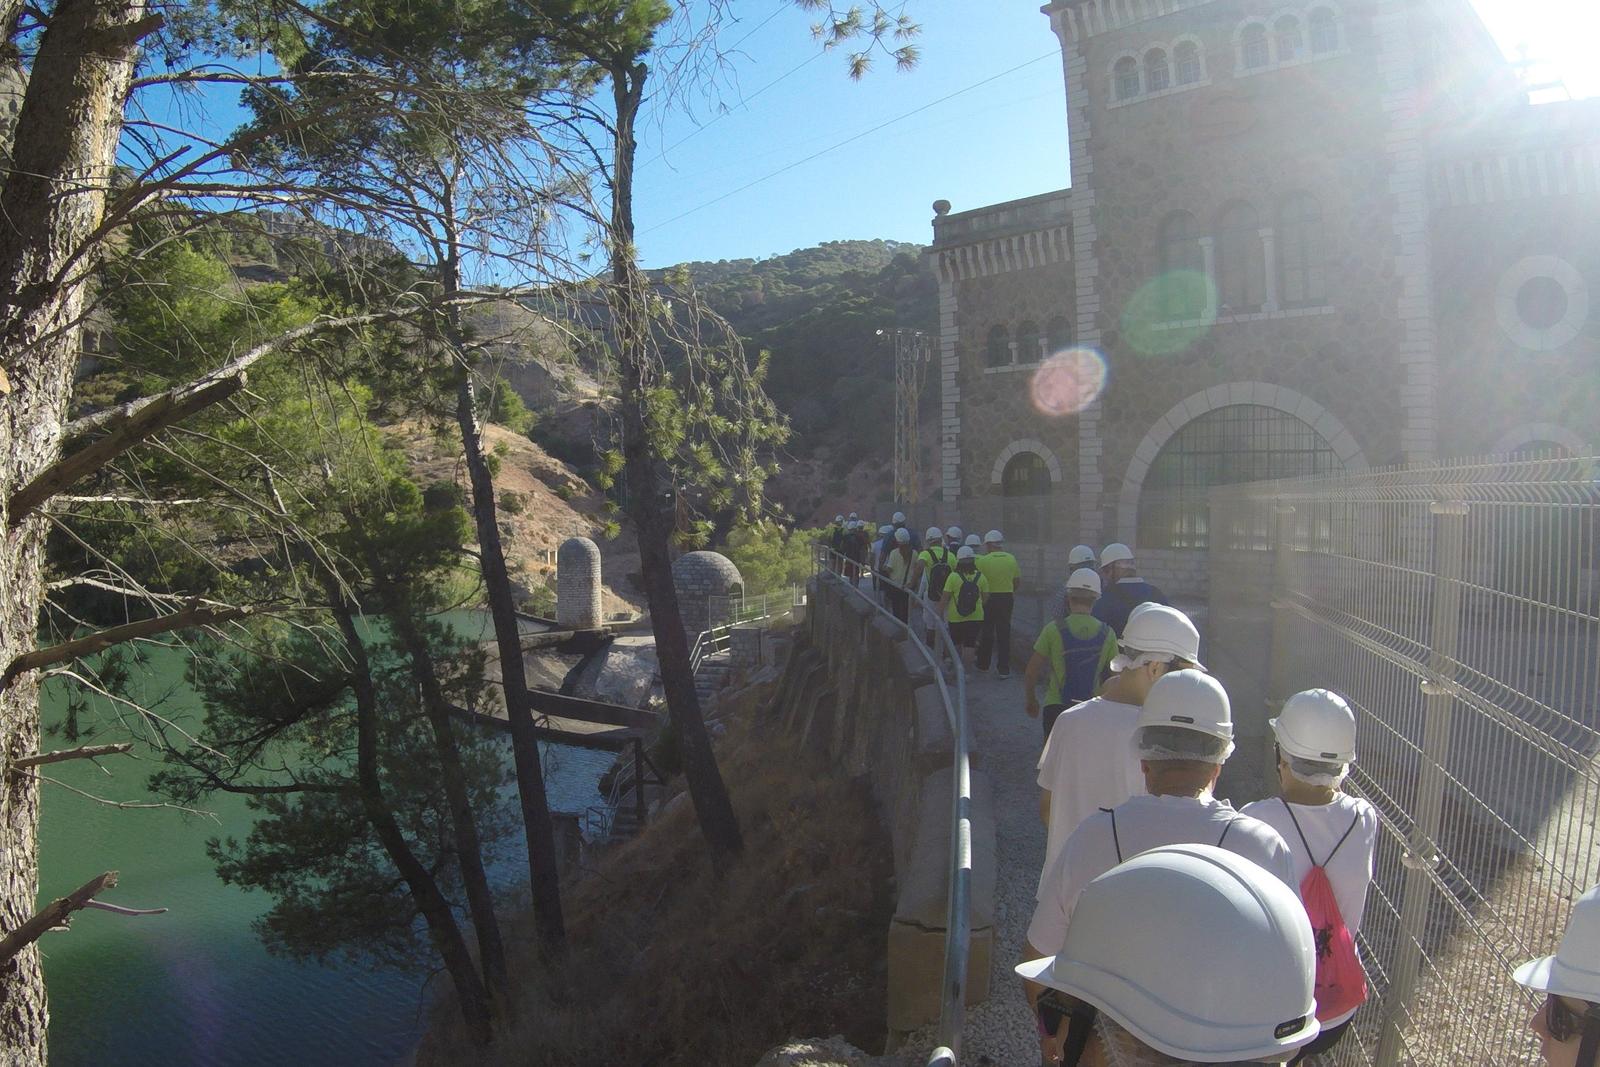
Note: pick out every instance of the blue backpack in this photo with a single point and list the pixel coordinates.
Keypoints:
(1081, 656)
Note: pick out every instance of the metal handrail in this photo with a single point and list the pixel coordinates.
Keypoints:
(958, 914)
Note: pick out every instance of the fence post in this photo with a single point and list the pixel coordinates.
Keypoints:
(1449, 526)
(1279, 640)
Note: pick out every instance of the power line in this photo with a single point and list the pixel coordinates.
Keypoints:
(745, 102)
(848, 140)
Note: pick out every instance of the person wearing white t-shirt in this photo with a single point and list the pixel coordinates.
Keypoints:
(1183, 737)
(1087, 762)
(1316, 742)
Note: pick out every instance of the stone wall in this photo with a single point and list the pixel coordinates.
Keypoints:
(860, 695)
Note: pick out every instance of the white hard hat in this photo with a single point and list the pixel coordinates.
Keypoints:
(1196, 952)
(1574, 971)
(899, 517)
(838, 518)
(1157, 629)
(902, 536)
(953, 533)
(885, 529)
(1084, 578)
(1080, 554)
(1116, 552)
(966, 553)
(994, 537)
(854, 516)
(972, 541)
(1316, 725)
(933, 534)
(1188, 700)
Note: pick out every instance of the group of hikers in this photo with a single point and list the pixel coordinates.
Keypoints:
(1169, 927)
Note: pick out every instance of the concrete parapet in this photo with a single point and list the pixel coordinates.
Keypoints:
(861, 696)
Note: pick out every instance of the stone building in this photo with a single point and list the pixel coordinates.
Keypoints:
(1302, 237)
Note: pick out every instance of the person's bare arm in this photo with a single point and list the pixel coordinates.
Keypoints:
(1044, 807)
(1030, 683)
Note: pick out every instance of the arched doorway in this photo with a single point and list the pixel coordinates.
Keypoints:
(1227, 445)
(1025, 488)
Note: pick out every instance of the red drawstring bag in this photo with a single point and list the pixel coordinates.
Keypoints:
(1341, 981)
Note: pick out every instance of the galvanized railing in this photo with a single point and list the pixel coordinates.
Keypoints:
(831, 566)
(1458, 608)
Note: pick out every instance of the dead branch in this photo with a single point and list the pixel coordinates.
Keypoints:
(54, 915)
(118, 909)
(195, 613)
(81, 752)
(143, 419)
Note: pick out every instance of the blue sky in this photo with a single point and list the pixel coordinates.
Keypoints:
(1001, 140)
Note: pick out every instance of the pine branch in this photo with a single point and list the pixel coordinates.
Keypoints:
(82, 752)
(195, 613)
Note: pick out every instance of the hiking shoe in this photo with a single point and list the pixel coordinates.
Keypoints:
(1005, 674)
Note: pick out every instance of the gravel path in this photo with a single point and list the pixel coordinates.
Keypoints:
(1006, 742)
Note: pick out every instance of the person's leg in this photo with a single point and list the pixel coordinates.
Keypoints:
(985, 640)
(1004, 604)
(1048, 717)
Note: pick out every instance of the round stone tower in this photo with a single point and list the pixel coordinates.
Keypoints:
(578, 584)
(699, 577)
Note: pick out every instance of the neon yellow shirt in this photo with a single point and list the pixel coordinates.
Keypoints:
(952, 585)
(1000, 567)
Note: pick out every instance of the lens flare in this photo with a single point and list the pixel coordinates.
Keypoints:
(1169, 313)
(1068, 382)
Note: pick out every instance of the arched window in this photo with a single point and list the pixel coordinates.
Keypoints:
(1253, 53)
(1286, 36)
(1186, 58)
(1241, 266)
(1183, 265)
(1324, 32)
(1238, 443)
(1058, 335)
(1157, 75)
(999, 347)
(1126, 76)
(1302, 258)
(1025, 508)
(1028, 342)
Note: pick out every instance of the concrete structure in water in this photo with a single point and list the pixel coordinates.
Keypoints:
(1302, 238)
(699, 577)
(578, 576)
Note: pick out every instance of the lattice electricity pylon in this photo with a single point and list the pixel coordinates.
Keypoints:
(912, 353)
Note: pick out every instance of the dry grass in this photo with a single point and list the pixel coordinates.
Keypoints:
(672, 965)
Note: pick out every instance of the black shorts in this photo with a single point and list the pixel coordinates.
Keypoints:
(965, 634)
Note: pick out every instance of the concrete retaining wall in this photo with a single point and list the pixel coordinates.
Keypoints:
(857, 692)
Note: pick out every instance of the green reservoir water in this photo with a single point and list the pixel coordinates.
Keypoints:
(194, 986)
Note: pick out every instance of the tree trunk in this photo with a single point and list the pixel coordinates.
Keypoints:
(469, 848)
(435, 908)
(53, 198)
(543, 878)
(649, 505)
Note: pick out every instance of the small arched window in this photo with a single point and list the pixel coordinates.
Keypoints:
(1028, 342)
(1026, 487)
(1302, 259)
(1186, 58)
(1241, 264)
(1058, 335)
(1324, 32)
(1286, 36)
(998, 349)
(1183, 264)
(1253, 54)
(1126, 76)
(1157, 75)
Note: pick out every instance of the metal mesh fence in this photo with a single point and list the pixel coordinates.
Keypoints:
(1457, 607)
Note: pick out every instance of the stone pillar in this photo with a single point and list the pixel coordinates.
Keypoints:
(578, 584)
(1269, 263)
(700, 578)
(1208, 256)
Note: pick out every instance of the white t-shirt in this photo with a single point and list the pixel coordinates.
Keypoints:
(1087, 763)
(1349, 869)
(1142, 823)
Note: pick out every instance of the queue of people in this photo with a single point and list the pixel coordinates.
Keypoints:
(1170, 928)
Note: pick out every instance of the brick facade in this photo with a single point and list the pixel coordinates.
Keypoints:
(1443, 307)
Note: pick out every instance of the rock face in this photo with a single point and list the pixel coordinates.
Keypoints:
(578, 584)
(813, 1052)
(698, 577)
